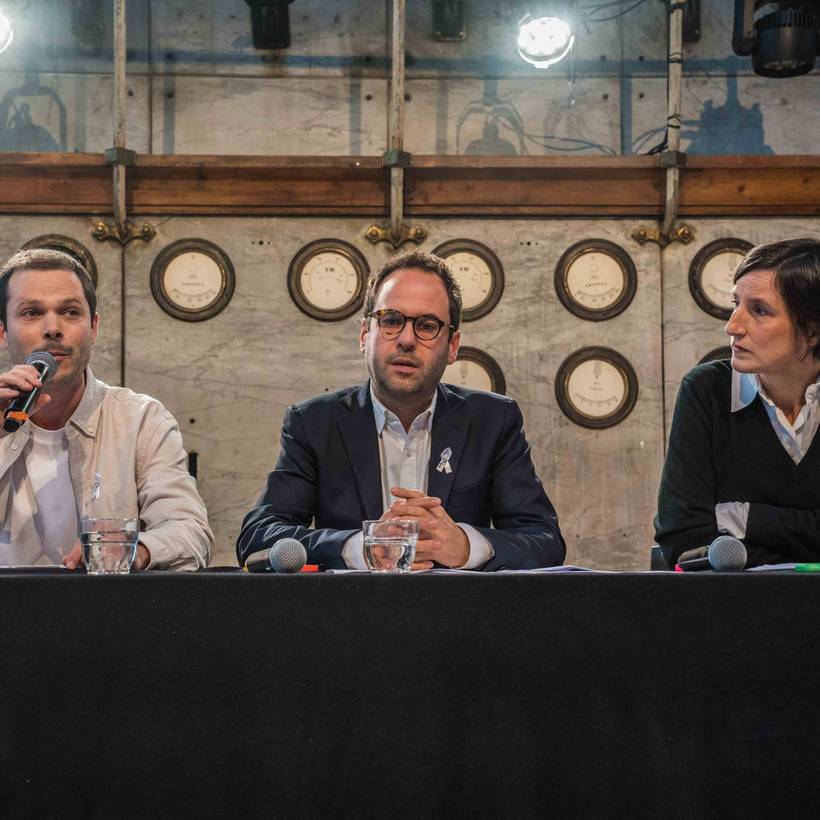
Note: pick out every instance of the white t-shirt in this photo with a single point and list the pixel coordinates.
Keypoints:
(40, 524)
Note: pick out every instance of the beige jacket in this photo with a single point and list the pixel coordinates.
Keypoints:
(127, 461)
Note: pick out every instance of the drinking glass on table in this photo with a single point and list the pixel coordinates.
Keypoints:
(109, 545)
(390, 546)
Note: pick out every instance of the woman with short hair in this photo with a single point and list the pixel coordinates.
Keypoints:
(742, 459)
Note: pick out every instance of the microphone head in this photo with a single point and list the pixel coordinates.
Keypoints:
(287, 555)
(727, 553)
(47, 360)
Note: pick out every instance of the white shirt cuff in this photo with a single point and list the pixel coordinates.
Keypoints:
(481, 550)
(732, 517)
(353, 552)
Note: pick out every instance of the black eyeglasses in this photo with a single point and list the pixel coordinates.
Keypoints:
(392, 322)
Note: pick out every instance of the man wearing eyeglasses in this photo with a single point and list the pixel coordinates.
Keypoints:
(403, 445)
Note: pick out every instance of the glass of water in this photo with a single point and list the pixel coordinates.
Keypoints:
(390, 546)
(109, 545)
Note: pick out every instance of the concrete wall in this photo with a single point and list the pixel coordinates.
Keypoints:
(196, 85)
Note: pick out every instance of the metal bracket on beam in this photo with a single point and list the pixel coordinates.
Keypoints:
(124, 233)
(120, 156)
(384, 233)
(397, 159)
(682, 233)
(672, 159)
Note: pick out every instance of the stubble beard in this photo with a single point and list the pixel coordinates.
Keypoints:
(418, 386)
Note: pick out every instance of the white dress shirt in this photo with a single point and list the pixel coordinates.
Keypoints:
(405, 459)
(733, 516)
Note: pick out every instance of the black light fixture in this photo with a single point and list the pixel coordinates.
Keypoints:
(270, 23)
(782, 37)
(448, 20)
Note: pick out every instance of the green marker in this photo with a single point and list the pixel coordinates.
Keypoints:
(807, 567)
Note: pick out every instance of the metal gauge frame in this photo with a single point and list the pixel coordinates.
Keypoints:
(624, 262)
(165, 300)
(620, 363)
(308, 252)
(490, 365)
(453, 246)
(75, 249)
(696, 270)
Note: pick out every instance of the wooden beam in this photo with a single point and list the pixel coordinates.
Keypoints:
(751, 186)
(728, 186)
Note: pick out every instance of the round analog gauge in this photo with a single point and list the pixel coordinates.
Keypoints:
(327, 279)
(596, 387)
(75, 249)
(711, 274)
(716, 355)
(478, 272)
(192, 279)
(475, 369)
(595, 279)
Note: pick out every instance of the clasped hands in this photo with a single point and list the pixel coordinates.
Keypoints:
(441, 540)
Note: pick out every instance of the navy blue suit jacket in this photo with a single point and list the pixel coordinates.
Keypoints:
(328, 478)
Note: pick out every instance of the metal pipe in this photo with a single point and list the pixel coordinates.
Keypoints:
(120, 93)
(673, 119)
(396, 117)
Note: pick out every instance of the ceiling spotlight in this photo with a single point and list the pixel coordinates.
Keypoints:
(782, 37)
(6, 32)
(270, 23)
(544, 41)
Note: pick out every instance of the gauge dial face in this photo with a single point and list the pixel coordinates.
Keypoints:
(478, 272)
(595, 280)
(596, 388)
(474, 277)
(711, 274)
(716, 278)
(476, 370)
(329, 280)
(466, 373)
(193, 281)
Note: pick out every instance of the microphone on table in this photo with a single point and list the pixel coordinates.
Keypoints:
(287, 555)
(17, 412)
(724, 553)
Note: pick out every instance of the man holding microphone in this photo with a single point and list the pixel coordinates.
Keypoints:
(91, 450)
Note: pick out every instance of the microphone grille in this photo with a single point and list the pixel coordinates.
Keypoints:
(287, 555)
(726, 553)
(44, 358)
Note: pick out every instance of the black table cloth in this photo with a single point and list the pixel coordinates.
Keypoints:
(572, 695)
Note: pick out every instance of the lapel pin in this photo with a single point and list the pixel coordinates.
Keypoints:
(444, 464)
(95, 490)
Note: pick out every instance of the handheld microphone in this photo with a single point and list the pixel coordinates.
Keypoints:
(725, 553)
(287, 555)
(17, 412)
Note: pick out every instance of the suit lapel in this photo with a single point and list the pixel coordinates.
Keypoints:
(357, 428)
(450, 429)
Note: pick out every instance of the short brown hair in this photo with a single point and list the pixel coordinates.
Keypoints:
(423, 261)
(795, 264)
(45, 259)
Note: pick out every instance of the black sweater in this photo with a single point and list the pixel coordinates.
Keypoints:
(715, 455)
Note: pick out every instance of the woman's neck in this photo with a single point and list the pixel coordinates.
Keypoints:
(788, 390)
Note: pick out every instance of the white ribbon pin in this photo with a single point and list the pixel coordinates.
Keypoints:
(444, 464)
(95, 489)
